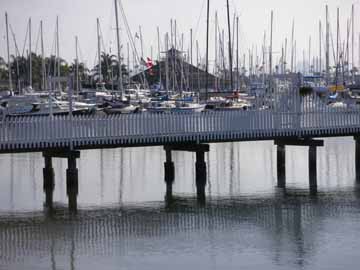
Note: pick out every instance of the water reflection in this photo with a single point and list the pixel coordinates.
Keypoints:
(123, 221)
(287, 230)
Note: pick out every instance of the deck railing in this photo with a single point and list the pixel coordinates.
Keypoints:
(142, 129)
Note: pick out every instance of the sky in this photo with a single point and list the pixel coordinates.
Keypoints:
(78, 17)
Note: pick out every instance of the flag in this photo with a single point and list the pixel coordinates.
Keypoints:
(149, 65)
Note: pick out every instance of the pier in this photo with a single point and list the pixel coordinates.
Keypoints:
(65, 137)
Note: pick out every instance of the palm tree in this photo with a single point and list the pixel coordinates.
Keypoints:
(84, 72)
(109, 68)
(3, 69)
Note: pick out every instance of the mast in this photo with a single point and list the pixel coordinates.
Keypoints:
(8, 51)
(99, 49)
(309, 54)
(352, 42)
(43, 66)
(30, 55)
(17, 61)
(337, 45)
(182, 65)
(120, 80)
(230, 51)
(264, 58)
(77, 65)
(207, 52)
(237, 53)
(327, 52)
(58, 51)
(167, 63)
(191, 58)
(175, 78)
(292, 46)
(159, 57)
(216, 52)
(271, 42)
(320, 48)
(198, 68)
(286, 54)
(128, 59)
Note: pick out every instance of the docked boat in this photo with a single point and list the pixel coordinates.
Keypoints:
(188, 107)
(16, 106)
(161, 106)
(120, 108)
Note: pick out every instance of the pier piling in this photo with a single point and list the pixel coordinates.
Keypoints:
(200, 165)
(308, 142)
(49, 181)
(169, 174)
(312, 168)
(200, 175)
(281, 165)
(72, 183)
(357, 158)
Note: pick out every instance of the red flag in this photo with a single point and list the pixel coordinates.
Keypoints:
(150, 65)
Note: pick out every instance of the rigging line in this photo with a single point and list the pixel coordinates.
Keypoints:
(80, 53)
(50, 57)
(198, 22)
(26, 37)
(14, 38)
(104, 49)
(102, 39)
(129, 33)
(37, 39)
(130, 36)
(333, 48)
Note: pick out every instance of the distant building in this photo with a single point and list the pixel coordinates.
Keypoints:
(178, 73)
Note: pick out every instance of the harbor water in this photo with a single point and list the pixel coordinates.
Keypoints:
(123, 221)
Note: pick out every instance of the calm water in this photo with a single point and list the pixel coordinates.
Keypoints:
(124, 223)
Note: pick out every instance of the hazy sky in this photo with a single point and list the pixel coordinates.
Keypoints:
(78, 17)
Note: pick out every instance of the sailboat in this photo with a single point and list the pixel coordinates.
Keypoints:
(119, 106)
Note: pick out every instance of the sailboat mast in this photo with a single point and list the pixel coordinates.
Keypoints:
(216, 52)
(337, 45)
(237, 53)
(43, 66)
(198, 68)
(327, 53)
(99, 49)
(191, 58)
(309, 70)
(292, 46)
(271, 42)
(77, 64)
(167, 63)
(30, 55)
(230, 50)
(207, 52)
(58, 51)
(120, 80)
(159, 56)
(8, 51)
(352, 42)
(320, 48)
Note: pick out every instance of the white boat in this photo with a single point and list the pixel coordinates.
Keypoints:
(188, 107)
(121, 108)
(32, 105)
(161, 107)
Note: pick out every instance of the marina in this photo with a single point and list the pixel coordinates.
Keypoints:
(191, 148)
